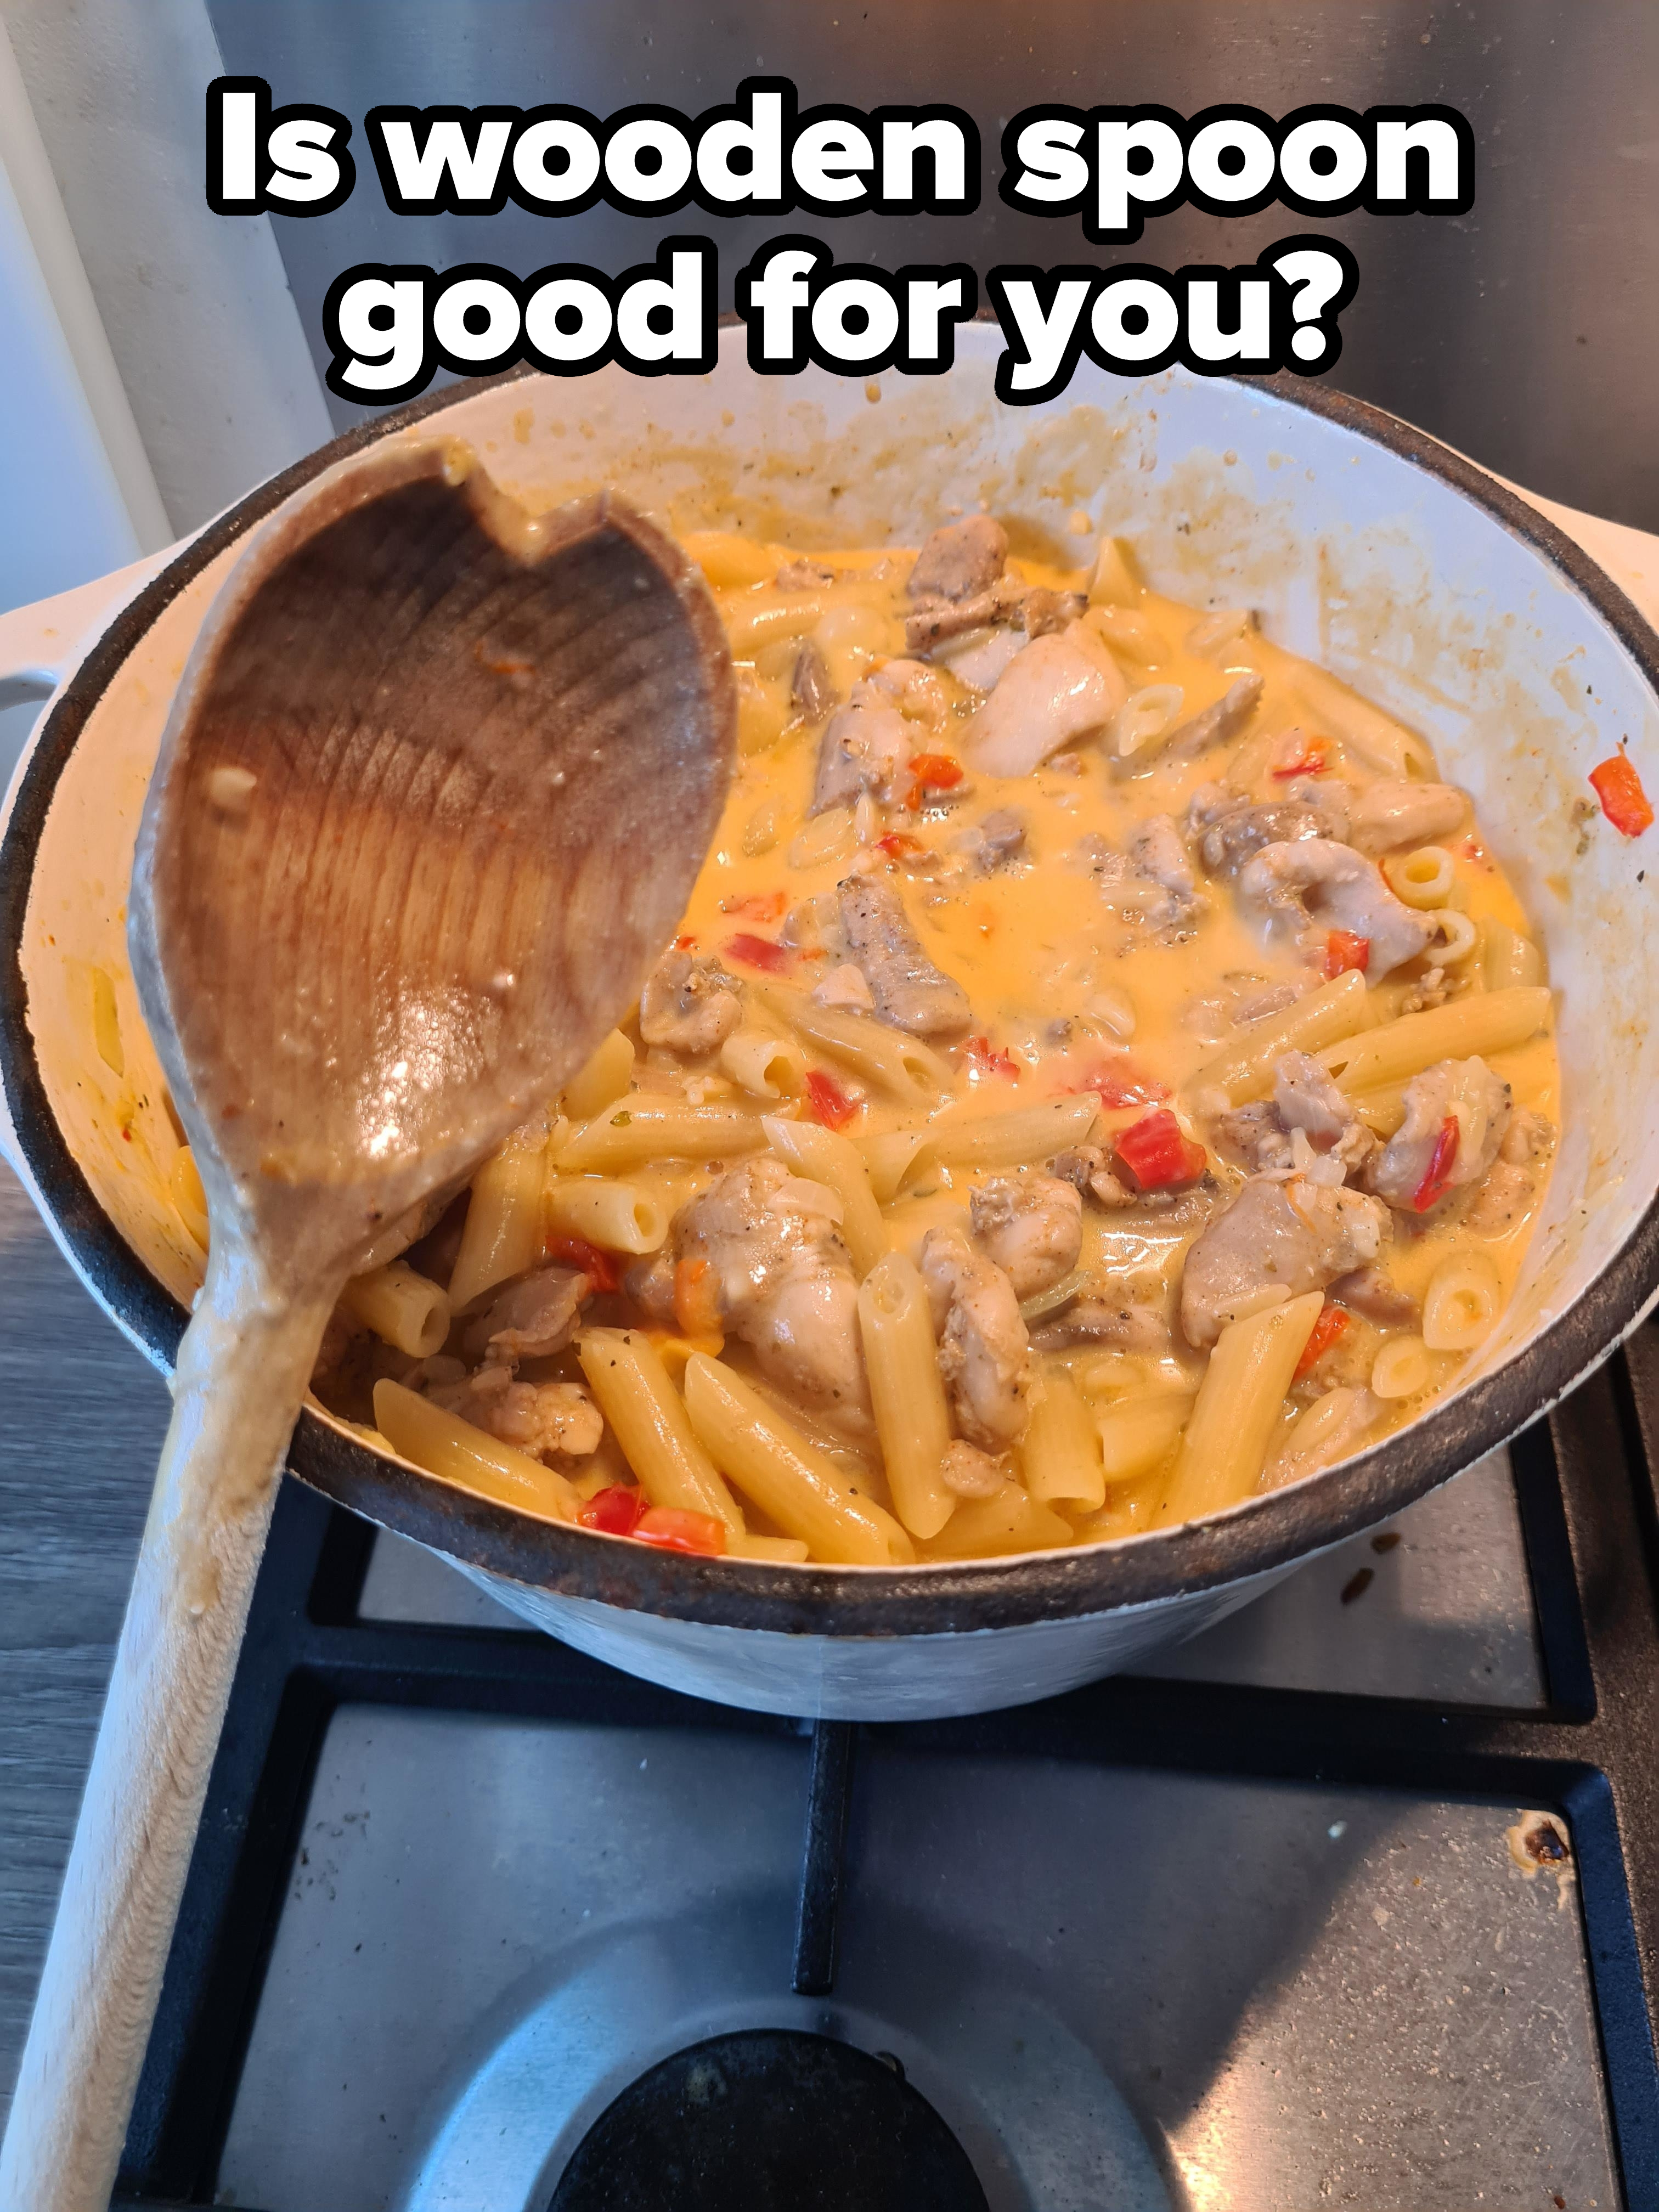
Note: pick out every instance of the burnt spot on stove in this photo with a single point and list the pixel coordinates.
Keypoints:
(1385, 1540)
(1538, 1844)
(1356, 1585)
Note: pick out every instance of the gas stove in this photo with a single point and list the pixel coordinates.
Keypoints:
(1353, 1901)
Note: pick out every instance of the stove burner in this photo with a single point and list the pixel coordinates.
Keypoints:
(769, 2121)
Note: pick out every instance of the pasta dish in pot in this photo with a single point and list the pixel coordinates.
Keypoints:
(1102, 1074)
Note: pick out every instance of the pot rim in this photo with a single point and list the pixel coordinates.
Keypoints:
(1246, 1540)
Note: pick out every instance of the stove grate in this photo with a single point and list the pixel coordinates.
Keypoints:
(1585, 1489)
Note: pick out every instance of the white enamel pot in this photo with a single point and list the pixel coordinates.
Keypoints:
(1428, 586)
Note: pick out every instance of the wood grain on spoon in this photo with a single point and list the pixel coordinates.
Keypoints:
(435, 789)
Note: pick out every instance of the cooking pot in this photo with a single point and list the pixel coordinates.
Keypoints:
(1427, 585)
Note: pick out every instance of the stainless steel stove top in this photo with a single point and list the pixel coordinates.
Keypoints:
(1118, 1988)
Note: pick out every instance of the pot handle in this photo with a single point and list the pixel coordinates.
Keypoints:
(41, 645)
(42, 642)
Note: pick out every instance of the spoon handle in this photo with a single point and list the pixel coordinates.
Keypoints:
(243, 1367)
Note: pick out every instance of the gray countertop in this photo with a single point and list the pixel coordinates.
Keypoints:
(83, 1420)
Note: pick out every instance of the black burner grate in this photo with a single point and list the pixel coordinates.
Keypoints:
(1587, 1497)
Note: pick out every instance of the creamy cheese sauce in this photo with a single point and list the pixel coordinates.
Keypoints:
(1083, 980)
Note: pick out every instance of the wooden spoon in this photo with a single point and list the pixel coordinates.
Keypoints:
(433, 792)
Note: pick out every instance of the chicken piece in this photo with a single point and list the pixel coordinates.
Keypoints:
(1252, 1137)
(542, 1418)
(984, 1354)
(960, 559)
(1155, 851)
(781, 1280)
(917, 689)
(1373, 1294)
(688, 1005)
(1512, 1180)
(1124, 1326)
(1151, 883)
(650, 1283)
(810, 687)
(910, 993)
(1218, 725)
(1042, 611)
(1088, 1170)
(991, 844)
(844, 987)
(1229, 830)
(967, 1472)
(1315, 885)
(1278, 1234)
(1058, 689)
(804, 576)
(531, 1317)
(1032, 1226)
(1304, 1098)
(980, 659)
(865, 747)
(1465, 1091)
(935, 622)
(1390, 813)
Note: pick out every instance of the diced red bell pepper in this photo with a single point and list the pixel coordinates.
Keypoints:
(1436, 1179)
(1330, 1324)
(898, 845)
(672, 1529)
(771, 958)
(827, 1101)
(615, 1510)
(1624, 802)
(760, 906)
(600, 1268)
(1155, 1152)
(931, 771)
(1311, 760)
(1343, 951)
(1118, 1083)
(986, 1058)
(685, 942)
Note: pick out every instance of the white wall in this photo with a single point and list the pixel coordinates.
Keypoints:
(196, 307)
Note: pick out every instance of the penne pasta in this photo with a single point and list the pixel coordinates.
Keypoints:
(1507, 958)
(894, 1158)
(901, 1360)
(504, 1222)
(606, 1076)
(750, 625)
(763, 1064)
(1424, 878)
(1461, 1304)
(1011, 1520)
(189, 1199)
(401, 1307)
(1370, 735)
(776, 1551)
(791, 1480)
(1400, 1369)
(636, 1133)
(1138, 1433)
(453, 1449)
(1482, 1023)
(901, 1066)
(826, 1156)
(618, 1216)
(1028, 1132)
(631, 1387)
(1060, 1460)
(1238, 1409)
(1245, 1070)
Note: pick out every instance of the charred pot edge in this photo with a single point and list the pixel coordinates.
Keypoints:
(879, 1603)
